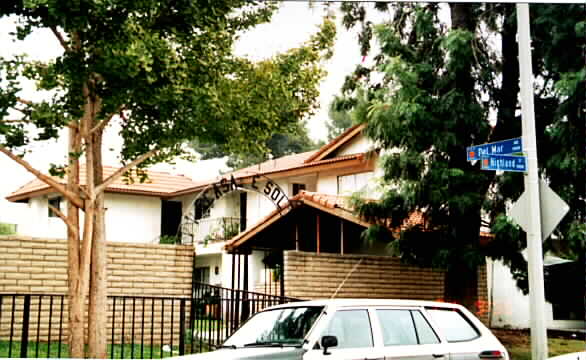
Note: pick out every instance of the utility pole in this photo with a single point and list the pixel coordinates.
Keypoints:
(534, 236)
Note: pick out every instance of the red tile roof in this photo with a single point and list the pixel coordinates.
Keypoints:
(158, 184)
(336, 205)
(336, 143)
(276, 166)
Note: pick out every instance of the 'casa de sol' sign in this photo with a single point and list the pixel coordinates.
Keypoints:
(270, 190)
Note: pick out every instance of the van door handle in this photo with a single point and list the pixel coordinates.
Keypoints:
(437, 356)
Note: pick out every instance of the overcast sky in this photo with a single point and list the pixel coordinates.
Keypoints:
(291, 25)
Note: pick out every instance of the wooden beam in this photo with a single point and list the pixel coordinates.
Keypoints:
(318, 233)
(297, 236)
(342, 236)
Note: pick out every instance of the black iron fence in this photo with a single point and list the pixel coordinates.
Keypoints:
(218, 312)
(138, 327)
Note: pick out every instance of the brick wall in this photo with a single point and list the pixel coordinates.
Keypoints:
(483, 306)
(39, 266)
(309, 276)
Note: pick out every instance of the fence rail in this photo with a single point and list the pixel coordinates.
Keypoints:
(33, 325)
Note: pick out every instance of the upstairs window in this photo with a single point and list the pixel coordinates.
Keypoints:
(348, 184)
(56, 203)
(297, 188)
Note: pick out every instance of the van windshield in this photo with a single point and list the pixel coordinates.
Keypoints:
(278, 327)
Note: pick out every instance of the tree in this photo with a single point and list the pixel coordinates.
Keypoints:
(340, 119)
(294, 141)
(166, 71)
(444, 87)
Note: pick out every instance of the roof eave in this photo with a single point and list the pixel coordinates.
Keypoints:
(302, 169)
(336, 143)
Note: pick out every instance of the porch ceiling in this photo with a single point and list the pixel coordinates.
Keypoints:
(299, 210)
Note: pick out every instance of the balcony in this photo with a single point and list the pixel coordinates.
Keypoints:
(211, 230)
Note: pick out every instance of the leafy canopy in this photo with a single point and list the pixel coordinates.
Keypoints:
(437, 88)
(166, 68)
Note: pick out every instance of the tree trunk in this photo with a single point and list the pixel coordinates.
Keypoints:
(461, 278)
(76, 297)
(98, 276)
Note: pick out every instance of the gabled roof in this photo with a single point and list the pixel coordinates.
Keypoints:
(332, 204)
(337, 143)
(159, 184)
(167, 185)
(291, 165)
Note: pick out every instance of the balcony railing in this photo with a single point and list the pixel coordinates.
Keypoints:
(210, 230)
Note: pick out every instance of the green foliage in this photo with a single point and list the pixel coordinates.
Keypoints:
(166, 68)
(7, 229)
(277, 145)
(339, 119)
(444, 87)
(169, 239)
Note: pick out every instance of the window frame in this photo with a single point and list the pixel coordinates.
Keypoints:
(416, 331)
(374, 332)
(433, 321)
(55, 202)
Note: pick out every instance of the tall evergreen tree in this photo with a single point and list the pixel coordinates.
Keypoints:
(450, 79)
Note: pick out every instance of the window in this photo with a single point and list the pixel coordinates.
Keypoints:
(405, 327)
(202, 275)
(454, 325)
(352, 328)
(56, 203)
(349, 184)
(297, 188)
(202, 208)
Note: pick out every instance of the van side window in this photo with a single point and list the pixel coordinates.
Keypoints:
(453, 325)
(352, 328)
(405, 327)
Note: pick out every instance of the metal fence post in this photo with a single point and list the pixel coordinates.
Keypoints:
(25, 326)
(182, 327)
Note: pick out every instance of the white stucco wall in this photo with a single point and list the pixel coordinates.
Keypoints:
(132, 218)
(358, 144)
(327, 184)
(511, 307)
(212, 261)
(129, 218)
(259, 206)
(36, 221)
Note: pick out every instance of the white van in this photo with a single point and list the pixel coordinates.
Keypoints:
(361, 329)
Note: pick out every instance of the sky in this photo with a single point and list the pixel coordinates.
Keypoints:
(293, 24)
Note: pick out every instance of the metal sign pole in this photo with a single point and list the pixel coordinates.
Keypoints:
(534, 245)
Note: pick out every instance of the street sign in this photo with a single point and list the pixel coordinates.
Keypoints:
(553, 210)
(505, 147)
(504, 163)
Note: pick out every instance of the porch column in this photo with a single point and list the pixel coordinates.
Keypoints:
(342, 237)
(245, 301)
(318, 233)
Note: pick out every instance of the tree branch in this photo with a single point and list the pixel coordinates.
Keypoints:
(124, 169)
(102, 124)
(14, 121)
(24, 101)
(75, 200)
(60, 38)
(62, 216)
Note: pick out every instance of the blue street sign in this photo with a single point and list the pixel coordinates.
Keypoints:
(504, 163)
(504, 147)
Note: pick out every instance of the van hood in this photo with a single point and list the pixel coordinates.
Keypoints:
(277, 353)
